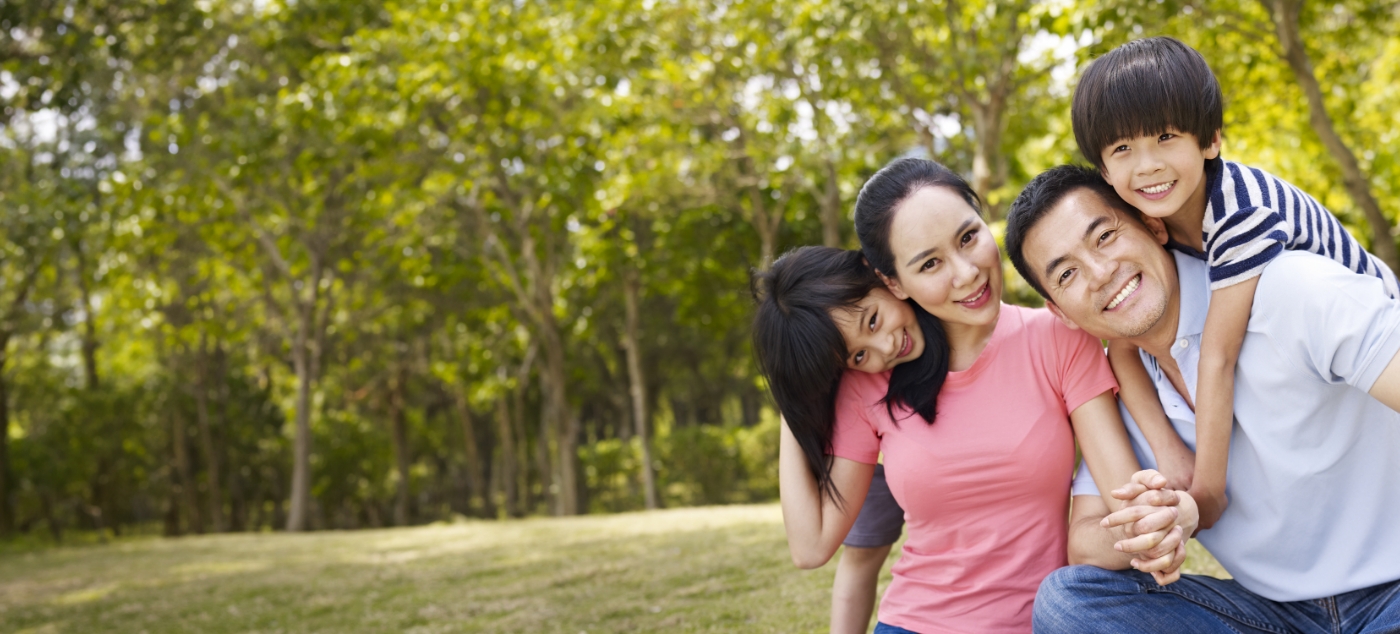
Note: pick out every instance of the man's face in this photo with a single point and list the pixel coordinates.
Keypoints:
(1105, 272)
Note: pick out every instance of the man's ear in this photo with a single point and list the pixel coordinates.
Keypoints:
(1213, 150)
(893, 285)
(1055, 310)
(1156, 227)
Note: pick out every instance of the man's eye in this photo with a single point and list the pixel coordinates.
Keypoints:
(1064, 277)
(932, 262)
(1105, 236)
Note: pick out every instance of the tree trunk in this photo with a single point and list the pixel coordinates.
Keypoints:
(830, 202)
(1285, 17)
(399, 434)
(206, 438)
(301, 444)
(988, 163)
(561, 426)
(522, 378)
(637, 383)
(7, 509)
(475, 467)
(509, 466)
(188, 501)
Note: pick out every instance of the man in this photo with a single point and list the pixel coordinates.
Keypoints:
(1314, 478)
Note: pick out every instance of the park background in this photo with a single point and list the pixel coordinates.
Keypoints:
(306, 265)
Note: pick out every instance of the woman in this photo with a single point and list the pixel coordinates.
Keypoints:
(981, 466)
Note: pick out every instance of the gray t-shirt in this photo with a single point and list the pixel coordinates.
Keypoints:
(1314, 476)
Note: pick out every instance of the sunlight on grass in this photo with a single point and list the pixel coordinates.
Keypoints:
(685, 570)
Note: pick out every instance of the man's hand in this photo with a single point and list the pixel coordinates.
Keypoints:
(1156, 524)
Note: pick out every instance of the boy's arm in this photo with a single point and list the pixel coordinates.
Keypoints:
(1104, 442)
(1148, 535)
(1174, 459)
(1226, 322)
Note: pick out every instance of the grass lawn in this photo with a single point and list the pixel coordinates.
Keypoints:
(715, 569)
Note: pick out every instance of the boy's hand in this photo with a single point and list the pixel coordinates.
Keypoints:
(1177, 464)
(1212, 503)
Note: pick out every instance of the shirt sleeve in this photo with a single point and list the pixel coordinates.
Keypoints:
(1083, 482)
(855, 437)
(1240, 245)
(1083, 367)
(1342, 326)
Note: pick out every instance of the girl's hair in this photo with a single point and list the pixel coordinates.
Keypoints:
(799, 347)
(917, 386)
(803, 353)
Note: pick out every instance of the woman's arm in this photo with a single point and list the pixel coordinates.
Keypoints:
(1104, 442)
(815, 524)
(1149, 534)
(1174, 460)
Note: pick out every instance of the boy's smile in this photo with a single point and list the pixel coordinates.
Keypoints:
(1161, 175)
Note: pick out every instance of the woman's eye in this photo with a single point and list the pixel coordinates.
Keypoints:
(967, 237)
(932, 262)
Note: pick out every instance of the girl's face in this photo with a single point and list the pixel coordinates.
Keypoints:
(945, 258)
(881, 332)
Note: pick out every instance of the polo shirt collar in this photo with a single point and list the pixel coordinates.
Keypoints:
(1193, 278)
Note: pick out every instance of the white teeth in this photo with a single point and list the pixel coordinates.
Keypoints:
(1157, 189)
(1123, 294)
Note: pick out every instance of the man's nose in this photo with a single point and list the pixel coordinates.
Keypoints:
(1099, 271)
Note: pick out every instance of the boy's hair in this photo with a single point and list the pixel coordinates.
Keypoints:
(1039, 197)
(1141, 88)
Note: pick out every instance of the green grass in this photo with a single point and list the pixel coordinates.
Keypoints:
(715, 569)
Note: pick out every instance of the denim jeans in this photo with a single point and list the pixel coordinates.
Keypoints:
(1091, 599)
(884, 628)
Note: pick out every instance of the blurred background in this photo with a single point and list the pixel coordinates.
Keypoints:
(300, 265)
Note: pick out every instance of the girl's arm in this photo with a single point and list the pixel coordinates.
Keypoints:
(815, 524)
(1226, 322)
(1174, 459)
(1104, 442)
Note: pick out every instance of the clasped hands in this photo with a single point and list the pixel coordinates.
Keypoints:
(1153, 525)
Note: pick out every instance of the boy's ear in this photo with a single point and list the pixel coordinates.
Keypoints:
(893, 285)
(1213, 150)
(1055, 310)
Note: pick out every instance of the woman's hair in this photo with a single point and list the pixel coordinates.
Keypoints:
(803, 353)
(917, 386)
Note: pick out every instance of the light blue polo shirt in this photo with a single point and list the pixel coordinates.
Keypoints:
(1314, 477)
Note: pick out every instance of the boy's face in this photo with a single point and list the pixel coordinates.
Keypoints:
(880, 332)
(1160, 174)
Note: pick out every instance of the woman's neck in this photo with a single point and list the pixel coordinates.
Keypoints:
(966, 342)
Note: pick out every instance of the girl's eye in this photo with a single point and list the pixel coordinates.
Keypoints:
(860, 356)
(872, 322)
(932, 262)
(967, 237)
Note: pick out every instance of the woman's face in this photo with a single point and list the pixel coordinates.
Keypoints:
(945, 258)
(880, 332)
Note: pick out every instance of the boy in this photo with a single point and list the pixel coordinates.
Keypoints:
(1148, 115)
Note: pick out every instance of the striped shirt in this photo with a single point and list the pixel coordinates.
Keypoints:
(1253, 216)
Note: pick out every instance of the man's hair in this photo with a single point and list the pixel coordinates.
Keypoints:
(1039, 197)
(1142, 88)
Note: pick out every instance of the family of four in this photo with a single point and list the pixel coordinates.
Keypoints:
(1248, 397)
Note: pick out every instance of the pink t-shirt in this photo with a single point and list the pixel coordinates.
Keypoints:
(985, 489)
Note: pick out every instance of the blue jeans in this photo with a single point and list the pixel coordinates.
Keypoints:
(1091, 599)
(882, 628)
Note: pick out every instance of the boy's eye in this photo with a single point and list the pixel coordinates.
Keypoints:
(930, 263)
(1121, 148)
(1166, 136)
